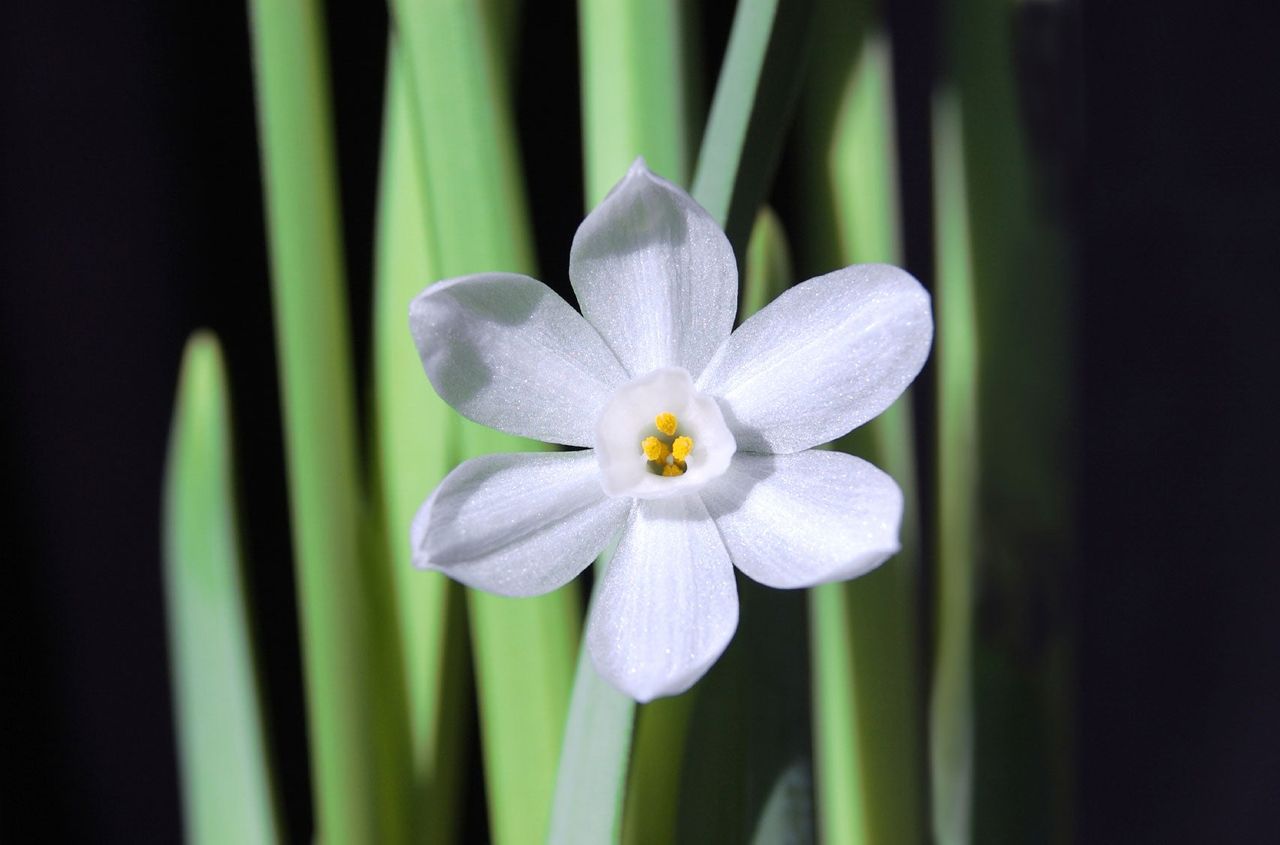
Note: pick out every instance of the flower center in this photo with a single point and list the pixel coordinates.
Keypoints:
(646, 432)
(665, 451)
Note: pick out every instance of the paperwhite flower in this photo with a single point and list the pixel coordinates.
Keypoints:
(698, 442)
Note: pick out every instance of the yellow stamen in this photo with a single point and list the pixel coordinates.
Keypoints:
(667, 458)
(655, 449)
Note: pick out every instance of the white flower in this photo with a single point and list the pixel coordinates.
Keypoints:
(698, 442)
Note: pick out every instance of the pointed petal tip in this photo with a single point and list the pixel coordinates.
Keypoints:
(639, 166)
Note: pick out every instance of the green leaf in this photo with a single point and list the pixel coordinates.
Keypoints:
(654, 785)
(415, 434)
(868, 714)
(768, 264)
(747, 773)
(759, 81)
(593, 764)
(464, 133)
(355, 708)
(228, 789)
(951, 704)
(1024, 778)
(634, 85)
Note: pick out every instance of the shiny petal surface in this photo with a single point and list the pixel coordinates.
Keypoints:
(668, 604)
(507, 352)
(822, 359)
(517, 525)
(655, 275)
(805, 519)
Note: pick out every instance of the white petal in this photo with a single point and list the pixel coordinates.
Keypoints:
(517, 525)
(667, 605)
(655, 274)
(506, 351)
(805, 519)
(823, 358)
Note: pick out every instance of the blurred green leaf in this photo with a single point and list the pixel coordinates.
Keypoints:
(593, 764)
(355, 703)
(759, 81)
(868, 712)
(228, 789)
(464, 134)
(634, 85)
(956, 353)
(415, 436)
(1001, 62)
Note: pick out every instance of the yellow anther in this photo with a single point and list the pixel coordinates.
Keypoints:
(666, 423)
(682, 447)
(672, 470)
(655, 449)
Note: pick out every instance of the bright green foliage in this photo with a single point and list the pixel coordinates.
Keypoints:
(414, 432)
(354, 693)
(228, 792)
(633, 90)
(474, 194)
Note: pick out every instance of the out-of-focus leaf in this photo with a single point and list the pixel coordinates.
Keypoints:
(464, 132)
(228, 789)
(355, 705)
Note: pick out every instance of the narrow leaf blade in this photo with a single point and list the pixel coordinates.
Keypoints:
(228, 789)
(415, 434)
(523, 649)
(356, 721)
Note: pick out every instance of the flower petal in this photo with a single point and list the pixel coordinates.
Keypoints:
(517, 525)
(655, 274)
(823, 358)
(805, 519)
(507, 352)
(667, 605)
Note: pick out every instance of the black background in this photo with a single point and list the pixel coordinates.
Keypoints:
(130, 214)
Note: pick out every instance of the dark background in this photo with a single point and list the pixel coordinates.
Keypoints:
(130, 214)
